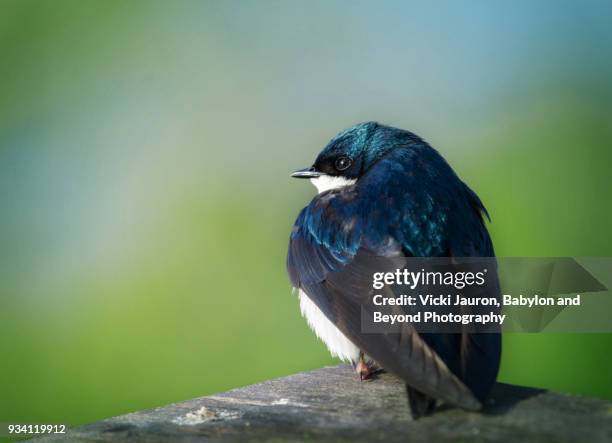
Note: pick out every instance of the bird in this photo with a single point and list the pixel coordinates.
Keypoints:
(385, 192)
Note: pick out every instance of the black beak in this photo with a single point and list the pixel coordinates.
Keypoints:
(306, 173)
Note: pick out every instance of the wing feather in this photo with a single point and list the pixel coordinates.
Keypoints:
(336, 234)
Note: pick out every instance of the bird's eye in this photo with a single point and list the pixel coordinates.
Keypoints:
(343, 163)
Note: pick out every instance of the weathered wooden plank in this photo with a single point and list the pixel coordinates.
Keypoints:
(331, 404)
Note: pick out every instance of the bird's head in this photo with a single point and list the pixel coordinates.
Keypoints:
(350, 154)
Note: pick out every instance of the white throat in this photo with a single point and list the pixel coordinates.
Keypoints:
(326, 182)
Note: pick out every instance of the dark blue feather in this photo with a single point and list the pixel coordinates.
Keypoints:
(407, 201)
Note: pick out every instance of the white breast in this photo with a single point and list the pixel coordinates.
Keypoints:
(337, 343)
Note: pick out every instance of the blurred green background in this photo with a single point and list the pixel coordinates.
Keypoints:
(145, 198)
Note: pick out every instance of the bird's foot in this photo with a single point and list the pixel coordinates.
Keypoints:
(363, 370)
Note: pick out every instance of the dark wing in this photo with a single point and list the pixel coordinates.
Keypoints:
(339, 295)
(401, 213)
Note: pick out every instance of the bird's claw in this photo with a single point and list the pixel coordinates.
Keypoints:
(363, 370)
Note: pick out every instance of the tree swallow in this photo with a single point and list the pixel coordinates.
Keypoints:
(386, 192)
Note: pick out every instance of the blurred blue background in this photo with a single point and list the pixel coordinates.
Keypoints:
(145, 198)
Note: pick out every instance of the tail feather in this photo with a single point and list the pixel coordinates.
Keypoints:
(420, 404)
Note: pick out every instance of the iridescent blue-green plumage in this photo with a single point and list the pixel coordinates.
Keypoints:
(406, 201)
